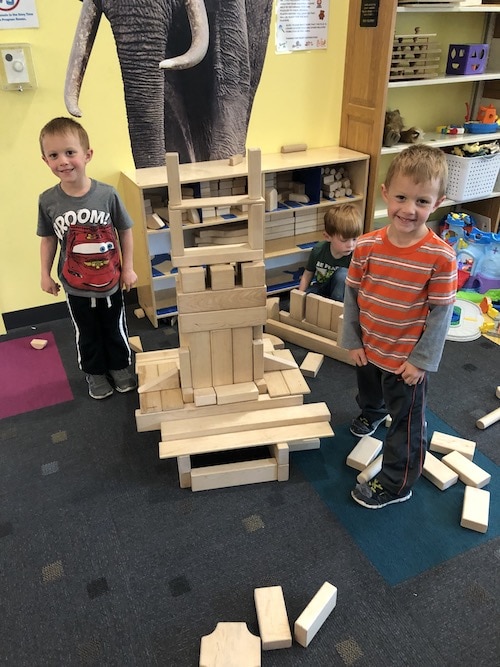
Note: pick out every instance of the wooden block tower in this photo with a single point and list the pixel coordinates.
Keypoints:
(221, 370)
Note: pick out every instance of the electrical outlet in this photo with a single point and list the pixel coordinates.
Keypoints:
(16, 67)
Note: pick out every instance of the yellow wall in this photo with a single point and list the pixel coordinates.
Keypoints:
(298, 100)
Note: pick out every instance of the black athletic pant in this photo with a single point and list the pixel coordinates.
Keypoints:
(101, 333)
(380, 393)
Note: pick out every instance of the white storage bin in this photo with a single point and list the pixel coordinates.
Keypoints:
(471, 177)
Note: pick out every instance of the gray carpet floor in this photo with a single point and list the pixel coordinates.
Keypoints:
(104, 560)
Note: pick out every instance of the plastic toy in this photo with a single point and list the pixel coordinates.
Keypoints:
(478, 253)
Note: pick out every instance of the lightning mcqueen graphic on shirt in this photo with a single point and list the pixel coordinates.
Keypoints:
(92, 258)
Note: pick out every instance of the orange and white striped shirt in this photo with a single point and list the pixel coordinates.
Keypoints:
(396, 290)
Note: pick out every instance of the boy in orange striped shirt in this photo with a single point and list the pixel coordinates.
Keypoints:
(400, 291)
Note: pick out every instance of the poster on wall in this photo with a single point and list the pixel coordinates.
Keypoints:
(301, 25)
(18, 14)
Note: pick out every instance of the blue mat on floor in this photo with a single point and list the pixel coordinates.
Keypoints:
(400, 540)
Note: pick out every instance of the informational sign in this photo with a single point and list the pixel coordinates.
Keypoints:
(18, 14)
(301, 25)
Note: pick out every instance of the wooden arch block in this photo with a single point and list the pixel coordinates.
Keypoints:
(228, 645)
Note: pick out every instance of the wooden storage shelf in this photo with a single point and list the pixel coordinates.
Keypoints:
(284, 256)
(368, 92)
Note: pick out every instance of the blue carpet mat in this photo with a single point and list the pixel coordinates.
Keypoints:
(401, 540)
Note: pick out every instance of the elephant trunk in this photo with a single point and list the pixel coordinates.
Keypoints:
(80, 52)
(198, 20)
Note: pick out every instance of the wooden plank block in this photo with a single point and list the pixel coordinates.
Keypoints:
(256, 226)
(187, 394)
(215, 202)
(167, 378)
(307, 326)
(221, 299)
(255, 438)
(476, 509)
(184, 468)
(274, 362)
(143, 358)
(311, 364)
(324, 312)
(468, 472)
(308, 340)
(276, 384)
(445, 443)
(297, 304)
(258, 359)
(438, 472)
(221, 277)
(371, 470)
(273, 307)
(364, 452)
(253, 274)
(153, 421)
(240, 392)
(221, 348)
(281, 453)
(274, 628)
(234, 474)
(283, 472)
(222, 319)
(135, 343)
(197, 427)
(295, 381)
(254, 160)
(185, 368)
(242, 354)
(237, 252)
(312, 304)
(204, 396)
(261, 385)
(304, 444)
(230, 644)
(150, 401)
(201, 359)
(337, 312)
(315, 614)
(177, 236)
(191, 279)
(171, 399)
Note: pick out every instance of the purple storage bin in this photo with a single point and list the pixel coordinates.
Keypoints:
(467, 58)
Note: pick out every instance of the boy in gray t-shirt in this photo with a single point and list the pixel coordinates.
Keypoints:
(93, 229)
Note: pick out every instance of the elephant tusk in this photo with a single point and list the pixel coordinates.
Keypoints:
(198, 20)
(83, 41)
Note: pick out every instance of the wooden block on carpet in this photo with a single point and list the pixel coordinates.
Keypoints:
(468, 472)
(230, 644)
(364, 452)
(274, 628)
(445, 443)
(311, 364)
(438, 472)
(315, 614)
(38, 343)
(476, 509)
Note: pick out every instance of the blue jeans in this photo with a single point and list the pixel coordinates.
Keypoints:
(333, 288)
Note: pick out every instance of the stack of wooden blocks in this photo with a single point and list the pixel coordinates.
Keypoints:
(226, 387)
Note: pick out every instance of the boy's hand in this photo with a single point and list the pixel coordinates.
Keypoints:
(128, 279)
(410, 373)
(50, 286)
(358, 356)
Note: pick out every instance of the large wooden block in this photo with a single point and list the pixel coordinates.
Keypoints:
(230, 644)
(171, 399)
(201, 359)
(295, 381)
(312, 305)
(297, 304)
(192, 279)
(185, 368)
(234, 474)
(221, 344)
(468, 472)
(242, 354)
(184, 468)
(222, 276)
(371, 470)
(258, 359)
(253, 274)
(239, 392)
(438, 472)
(476, 509)
(445, 443)
(311, 364)
(234, 252)
(256, 226)
(324, 312)
(222, 319)
(315, 614)
(276, 385)
(221, 299)
(204, 396)
(272, 617)
(367, 449)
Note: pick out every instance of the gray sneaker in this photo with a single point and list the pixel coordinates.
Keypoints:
(124, 380)
(361, 426)
(99, 386)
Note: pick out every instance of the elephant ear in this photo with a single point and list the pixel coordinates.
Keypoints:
(198, 21)
(81, 49)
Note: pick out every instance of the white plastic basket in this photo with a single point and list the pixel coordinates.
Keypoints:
(471, 177)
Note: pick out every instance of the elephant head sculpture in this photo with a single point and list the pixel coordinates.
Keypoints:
(190, 70)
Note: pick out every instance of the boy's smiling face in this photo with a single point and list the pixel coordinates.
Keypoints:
(409, 205)
(66, 158)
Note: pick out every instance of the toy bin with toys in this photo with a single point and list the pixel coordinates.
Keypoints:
(478, 253)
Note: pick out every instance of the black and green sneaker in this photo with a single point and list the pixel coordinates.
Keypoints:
(373, 495)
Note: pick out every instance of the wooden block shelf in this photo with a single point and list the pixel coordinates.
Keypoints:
(223, 389)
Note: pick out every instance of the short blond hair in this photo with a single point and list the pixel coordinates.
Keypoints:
(422, 163)
(344, 220)
(64, 125)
